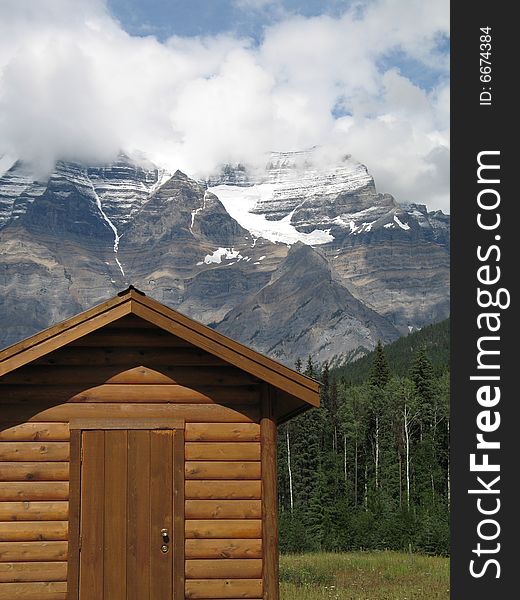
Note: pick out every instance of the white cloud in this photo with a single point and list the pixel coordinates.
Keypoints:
(73, 84)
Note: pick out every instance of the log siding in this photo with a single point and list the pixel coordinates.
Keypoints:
(122, 366)
(125, 375)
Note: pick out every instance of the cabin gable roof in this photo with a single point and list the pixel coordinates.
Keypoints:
(133, 302)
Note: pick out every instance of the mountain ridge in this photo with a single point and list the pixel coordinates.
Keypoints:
(88, 231)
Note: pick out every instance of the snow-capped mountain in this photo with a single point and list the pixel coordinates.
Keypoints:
(18, 190)
(392, 257)
(295, 259)
(293, 200)
(290, 180)
(122, 187)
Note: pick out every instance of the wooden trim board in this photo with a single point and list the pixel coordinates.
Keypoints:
(74, 514)
(85, 424)
(269, 497)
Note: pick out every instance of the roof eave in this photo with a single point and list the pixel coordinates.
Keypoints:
(132, 301)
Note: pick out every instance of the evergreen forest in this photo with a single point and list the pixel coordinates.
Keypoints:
(369, 469)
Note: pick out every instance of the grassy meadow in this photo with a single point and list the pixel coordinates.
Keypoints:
(363, 576)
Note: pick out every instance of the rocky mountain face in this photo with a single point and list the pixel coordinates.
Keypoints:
(293, 260)
(303, 300)
(391, 257)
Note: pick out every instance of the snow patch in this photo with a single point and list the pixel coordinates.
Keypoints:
(162, 177)
(404, 226)
(197, 211)
(120, 266)
(363, 228)
(219, 255)
(117, 237)
(239, 201)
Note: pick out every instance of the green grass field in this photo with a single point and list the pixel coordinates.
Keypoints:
(364, 576)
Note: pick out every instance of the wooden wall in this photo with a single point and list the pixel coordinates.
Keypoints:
(223, 511)
(34, 491)
(131, 369)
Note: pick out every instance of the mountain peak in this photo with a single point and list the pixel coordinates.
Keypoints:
(180, 176)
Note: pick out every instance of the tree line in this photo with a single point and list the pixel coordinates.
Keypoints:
(369, 469)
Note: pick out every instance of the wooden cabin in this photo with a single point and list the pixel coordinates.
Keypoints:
(138, 459)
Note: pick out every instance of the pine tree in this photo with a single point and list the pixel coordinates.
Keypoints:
(328, 429)
(310, 369)
(333, 412)
(325, 379)
(443, 434)
(379, 377)
(306, 455)
(380, 371)
(422, 374)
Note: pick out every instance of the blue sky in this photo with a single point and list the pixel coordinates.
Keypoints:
(196, 84)
(165, 18)
(249, 18)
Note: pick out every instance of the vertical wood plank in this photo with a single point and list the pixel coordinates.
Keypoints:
(115, 515)
(74, 515)
(161, 494)
(92, 517)
(138, 522)
(178, 515)
(270, 500)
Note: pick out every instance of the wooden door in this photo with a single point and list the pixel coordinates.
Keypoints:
(127, 528)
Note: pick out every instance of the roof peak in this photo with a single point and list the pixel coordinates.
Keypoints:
(129, 289)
